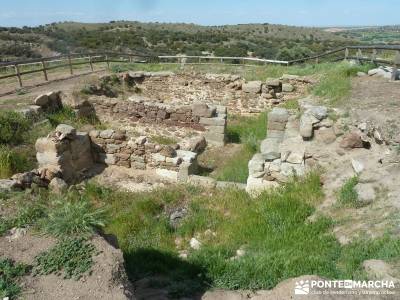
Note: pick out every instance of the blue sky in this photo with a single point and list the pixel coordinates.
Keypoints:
(206, 12)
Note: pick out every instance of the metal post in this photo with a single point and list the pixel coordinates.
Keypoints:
(396, 66)
(91, 63)
(70, 65)
(44, 70)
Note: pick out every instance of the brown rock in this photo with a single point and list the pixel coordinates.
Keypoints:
(352, 140)
(168, 151)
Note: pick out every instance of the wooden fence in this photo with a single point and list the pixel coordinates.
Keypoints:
(360, 53)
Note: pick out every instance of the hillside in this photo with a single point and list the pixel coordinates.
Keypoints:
(260, 40)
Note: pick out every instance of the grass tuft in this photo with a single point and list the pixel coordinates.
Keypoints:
(72, 215)
(347, 195)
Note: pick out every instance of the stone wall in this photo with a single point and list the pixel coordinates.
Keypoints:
(282, 154)
(210, 119)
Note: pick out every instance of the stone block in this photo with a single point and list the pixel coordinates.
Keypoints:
(216, 139)
(253, 87)
(167, 174)
(202, 181)
(212, 121)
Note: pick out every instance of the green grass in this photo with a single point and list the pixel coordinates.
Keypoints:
(66, 115)
(72, 215)
(29, 211)
(71, 257)
(163, 140)
(12, 161)
(248, 131)
(9, 274)
(273, 229)
(347, 195)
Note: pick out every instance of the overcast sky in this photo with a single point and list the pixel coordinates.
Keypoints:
(206, 12)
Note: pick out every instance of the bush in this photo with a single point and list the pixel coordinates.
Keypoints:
(72, 215)
(72, 257)
(12, 162)
(13, 126)
(10, 271)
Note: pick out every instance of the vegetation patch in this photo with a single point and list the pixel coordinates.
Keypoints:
(163, 140)
(12, 162)
(71, 257)
(9, 274)
(347, 194)
(72, 215)
(13, 125)
(248, 131)
(67, 115)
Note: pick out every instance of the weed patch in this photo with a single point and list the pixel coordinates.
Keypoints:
(9, 274)
(71, 257)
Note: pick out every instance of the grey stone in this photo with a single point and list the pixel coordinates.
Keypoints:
(270, 145)
(365, 192)
(187, 156)
(167, 174)
(8, 185)
(41, 100)
(213, 121)
(288, 169)
(230, 185)
(196, 144)
(141, 140)
(319, 112)
(306, 125)
(213, 138)
(253, 87)
(296, 157)
(66, 131)
(58, 185)
(272, 82)
(287, 88)
(202, 110)
(206, 182)
(358, 166)
(271, 156)
(106, 134)
(255, 186)
(278, 114)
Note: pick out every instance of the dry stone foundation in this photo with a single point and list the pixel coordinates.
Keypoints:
(209, 119)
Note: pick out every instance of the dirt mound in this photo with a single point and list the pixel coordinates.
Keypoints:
(108, 279)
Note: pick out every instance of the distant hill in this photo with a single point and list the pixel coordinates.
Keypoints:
(259, 40)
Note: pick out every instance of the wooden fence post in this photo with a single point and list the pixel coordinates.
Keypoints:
(108, 62)
(17, 72)
(199, 60)
(396, 65)
(44, 70)
(70, 65)
(359, 55)
(374, 55)
(346, 53)
(90, 62)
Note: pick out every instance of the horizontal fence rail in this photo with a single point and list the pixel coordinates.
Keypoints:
(15, 68)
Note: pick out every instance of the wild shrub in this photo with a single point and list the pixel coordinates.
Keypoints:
(72, 257)
(72, 215)
(13, 125)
